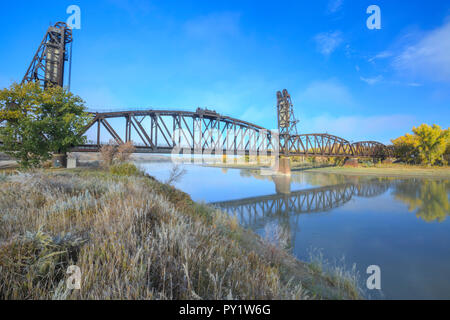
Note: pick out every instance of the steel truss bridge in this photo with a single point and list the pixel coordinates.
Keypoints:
(257, 211)
(205, 131)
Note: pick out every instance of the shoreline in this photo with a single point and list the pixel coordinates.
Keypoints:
(397, 172)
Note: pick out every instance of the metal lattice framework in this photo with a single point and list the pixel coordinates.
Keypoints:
(371, 149)
(257, 210)
(322, 145)
(47, 66)
(205, 131)
(287, 124)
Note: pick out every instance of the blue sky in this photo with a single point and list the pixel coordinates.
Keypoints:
(232, 56)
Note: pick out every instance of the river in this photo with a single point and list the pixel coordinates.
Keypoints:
(400, 225)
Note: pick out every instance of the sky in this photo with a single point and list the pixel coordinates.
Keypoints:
(233, 56)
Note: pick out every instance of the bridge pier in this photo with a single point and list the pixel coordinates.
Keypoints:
(284, 165)
(282, 184)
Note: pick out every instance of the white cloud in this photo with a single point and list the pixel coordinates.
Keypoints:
(327, 42)
(381, 55)
(258, 115)
(326, 92)
(372, 80)
(100, 98)
(334, 6)
(429, 57)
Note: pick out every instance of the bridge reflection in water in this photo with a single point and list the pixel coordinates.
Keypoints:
(257, 212)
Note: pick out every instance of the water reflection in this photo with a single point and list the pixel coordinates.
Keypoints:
(257, 211)
(428, 198)
(366, 220)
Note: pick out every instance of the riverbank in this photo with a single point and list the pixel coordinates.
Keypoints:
(391, 170)
(136, 238)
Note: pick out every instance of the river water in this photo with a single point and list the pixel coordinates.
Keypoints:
(400, 225)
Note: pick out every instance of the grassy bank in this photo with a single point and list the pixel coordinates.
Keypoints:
(135, 238)
(390, 170)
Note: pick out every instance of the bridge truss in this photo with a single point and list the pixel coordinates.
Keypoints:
(163, 131)
(205, 131)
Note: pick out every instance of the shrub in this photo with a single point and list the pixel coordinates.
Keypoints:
(112, 153)
(107, 152)
(124, 169)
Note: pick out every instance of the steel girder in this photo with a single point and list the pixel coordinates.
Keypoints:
(162, 131)
(372, 149)
(321, 145)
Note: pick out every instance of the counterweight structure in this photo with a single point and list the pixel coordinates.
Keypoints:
(47, 66)
(287, 124)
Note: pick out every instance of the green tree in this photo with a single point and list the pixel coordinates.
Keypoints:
(39, 122)
(405, 148)
(427, 145)
(431, 142)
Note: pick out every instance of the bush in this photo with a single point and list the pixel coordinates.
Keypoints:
(124, 169)
(112, 153)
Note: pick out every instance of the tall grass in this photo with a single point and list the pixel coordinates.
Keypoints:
(338, 273)
(130, 240)
(135, 238)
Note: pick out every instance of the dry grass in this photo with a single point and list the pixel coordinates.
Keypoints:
(132, 238)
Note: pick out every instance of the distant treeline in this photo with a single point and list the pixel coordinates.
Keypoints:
(429, 145)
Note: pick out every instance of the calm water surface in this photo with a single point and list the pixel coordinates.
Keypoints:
(401, 225)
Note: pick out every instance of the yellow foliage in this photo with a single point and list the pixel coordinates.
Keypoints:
(427, 145)
(429, 199)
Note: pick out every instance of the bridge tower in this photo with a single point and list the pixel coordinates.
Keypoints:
(47, 66)
(287, 126)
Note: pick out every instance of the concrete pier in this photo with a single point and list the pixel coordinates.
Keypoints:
(284, 166)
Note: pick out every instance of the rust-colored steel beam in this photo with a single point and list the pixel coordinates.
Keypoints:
(47, 65)
(210, 132)
(207, 131)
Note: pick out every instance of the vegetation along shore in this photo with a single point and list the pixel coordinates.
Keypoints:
(136, 238)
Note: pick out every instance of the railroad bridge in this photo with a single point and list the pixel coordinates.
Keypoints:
(205, 131)
(202, 131)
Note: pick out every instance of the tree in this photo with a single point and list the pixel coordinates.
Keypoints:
(431, 142)
(405, 148)
(427, 145)
(39, 122)
(447, 153)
